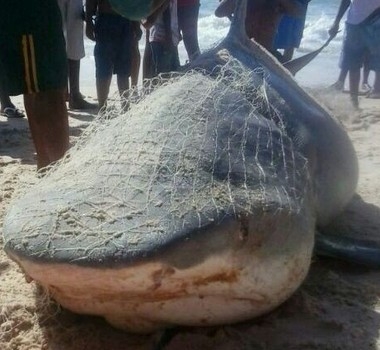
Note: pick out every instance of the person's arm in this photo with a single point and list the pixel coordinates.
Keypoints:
(91, 7)
(333, 31)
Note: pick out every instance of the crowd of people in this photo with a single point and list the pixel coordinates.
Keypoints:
(41, 47)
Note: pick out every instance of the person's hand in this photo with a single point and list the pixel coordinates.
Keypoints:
(333, 31)
(90, 30)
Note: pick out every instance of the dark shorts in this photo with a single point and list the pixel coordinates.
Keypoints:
(32, 47)
(359, 41)
(113, 47)
(164, 59)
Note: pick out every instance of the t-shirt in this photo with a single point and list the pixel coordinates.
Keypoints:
(360, 9)
(158, 32)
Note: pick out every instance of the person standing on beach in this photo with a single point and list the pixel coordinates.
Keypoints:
(362, 36)
(113, 36)
(365, 87)
(33, 62)
(148, 66)
(135, 53)
(188, 11)
(164, 37)
(72, 19)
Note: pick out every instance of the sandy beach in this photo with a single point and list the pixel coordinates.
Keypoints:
(337, 307)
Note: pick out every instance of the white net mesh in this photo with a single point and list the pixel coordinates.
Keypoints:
(186, 155)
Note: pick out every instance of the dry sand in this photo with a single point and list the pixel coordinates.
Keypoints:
(337, 307)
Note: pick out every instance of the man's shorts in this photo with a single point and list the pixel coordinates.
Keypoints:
(32, 47)
(113, 48)
(165, 59)
(290, 30)
(72, 11)
(359, 40)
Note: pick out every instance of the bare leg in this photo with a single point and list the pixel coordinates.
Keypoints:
(339, 84)
(188, 24)
(365, 87)
(5, 101)
(74, 72)
(103, 89)
(343, 75)
(354, 75)
(123, 86)
(147, 59)
(76, 100)
(49, 126)
(376, 85)
(288, 54)
(375, 93)
(365, 75)
(365, 69)
(122, 83)
(135, 64)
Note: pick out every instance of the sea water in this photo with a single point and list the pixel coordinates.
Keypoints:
(322, 71)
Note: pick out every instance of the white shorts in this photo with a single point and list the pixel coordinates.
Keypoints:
(71, 11)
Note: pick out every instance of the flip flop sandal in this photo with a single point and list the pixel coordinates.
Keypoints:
(12, 112)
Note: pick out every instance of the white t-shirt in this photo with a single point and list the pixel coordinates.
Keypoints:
(360, 9)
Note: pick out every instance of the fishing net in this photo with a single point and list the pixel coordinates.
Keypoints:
(191, 151)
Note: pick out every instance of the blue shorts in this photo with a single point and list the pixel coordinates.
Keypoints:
(290, 31)
(113, 48)
(361, 40)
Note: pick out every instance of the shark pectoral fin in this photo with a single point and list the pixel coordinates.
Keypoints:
(353, 235)
(295, 65)
(355, 251)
